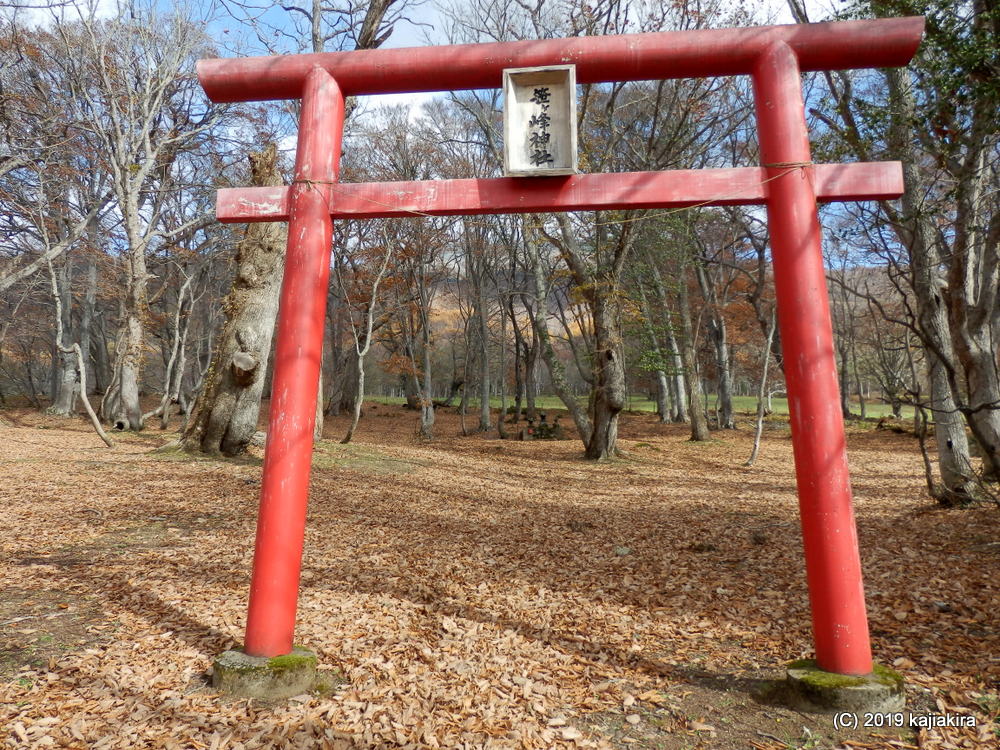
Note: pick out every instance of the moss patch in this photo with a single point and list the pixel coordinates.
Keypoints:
(815, 689)
(816, 676)
(239, 661)
(295, 660)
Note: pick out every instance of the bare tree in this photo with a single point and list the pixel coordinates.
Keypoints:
(129, 76)
(52, 191)
(363, 338)
(765, 356)
(81, 366)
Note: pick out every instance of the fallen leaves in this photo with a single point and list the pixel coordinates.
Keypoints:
(470, 598)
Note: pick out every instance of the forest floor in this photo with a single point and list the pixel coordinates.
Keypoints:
(474, 593)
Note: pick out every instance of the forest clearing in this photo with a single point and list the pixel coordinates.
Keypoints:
(473, 592)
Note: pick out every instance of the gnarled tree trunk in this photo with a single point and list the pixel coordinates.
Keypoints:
(916, 233)
(609, 393)
(224, 417)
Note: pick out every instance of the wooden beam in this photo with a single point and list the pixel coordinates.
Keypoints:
(583, 192)
(701, 53)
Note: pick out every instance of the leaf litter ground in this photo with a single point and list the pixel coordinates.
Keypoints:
(474, 593)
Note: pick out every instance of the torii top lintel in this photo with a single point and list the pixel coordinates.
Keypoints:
(701, 53)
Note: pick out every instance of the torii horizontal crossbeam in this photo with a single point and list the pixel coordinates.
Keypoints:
(584, 192)
(701, 53)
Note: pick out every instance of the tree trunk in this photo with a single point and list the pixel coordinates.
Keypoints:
(680, 411)
(973, 281)
(485, 424)
(762, 389)
(689, 356)
(980, 367)
(531, 372)
(342, 383)
(857, 378)
(318, 425)
(102, 358)
(87, 312)
(680, 405)
(662, 388)
(411, 386)
(717, 330)
(915, 379)
(174, 368)
(949, 437)
(177, 388)
(557, 372)
(75, 349)
(359, 395)
(427, 396)
(126, 411)
(609, 378)
(225, 415)
(844, 373)
(502, 383)
(519, 345)
(66, 385)
(916, 233)
(663, 407)
(351, 385)
(718, 334)
(120, 404)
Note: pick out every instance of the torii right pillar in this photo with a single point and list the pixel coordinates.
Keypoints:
(829, 535)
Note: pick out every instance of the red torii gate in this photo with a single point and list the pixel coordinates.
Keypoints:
(788, 183)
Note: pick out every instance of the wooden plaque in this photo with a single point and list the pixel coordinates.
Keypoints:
(539, 121)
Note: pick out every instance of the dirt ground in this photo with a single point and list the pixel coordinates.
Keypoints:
(474, 593)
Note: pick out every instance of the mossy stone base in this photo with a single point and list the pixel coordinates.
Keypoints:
(809, 688)
(238, 674)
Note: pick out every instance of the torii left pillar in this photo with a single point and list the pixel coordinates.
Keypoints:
(254, 672)
(284, 491)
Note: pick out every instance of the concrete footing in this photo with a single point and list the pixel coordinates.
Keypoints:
(238, 674)
(809, 688)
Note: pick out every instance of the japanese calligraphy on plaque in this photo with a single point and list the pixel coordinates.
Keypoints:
(539, 121)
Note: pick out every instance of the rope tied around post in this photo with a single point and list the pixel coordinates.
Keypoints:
(789, 165)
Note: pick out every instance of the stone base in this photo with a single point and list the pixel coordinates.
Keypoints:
(238, 674)
(809, 688)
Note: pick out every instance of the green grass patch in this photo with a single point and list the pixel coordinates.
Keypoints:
(745, 406)
(331, 455)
